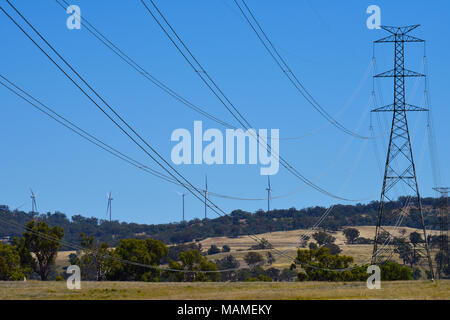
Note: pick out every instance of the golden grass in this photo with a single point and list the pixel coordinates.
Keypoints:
(225, 291)
(281, 240)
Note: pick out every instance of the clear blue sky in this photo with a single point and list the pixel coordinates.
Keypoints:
(325, 42)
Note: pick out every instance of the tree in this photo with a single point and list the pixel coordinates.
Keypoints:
(226, 248)
(391, 271)
(194, 262)
(270, 258)
(213, 249)
(321, 265)
(288, 275)
(96, 261)
(228, 263)
(263, 244)
(351, 234)
(415, 239)
(334, 248)
(252, 258)
(406, 252)
(323, 238)
(146, 252)
(273, 273)
(10, 269)
(304, 241)
(43, 242)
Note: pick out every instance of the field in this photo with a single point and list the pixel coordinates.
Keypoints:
(225, 291)
(284, 241)
(238, 291)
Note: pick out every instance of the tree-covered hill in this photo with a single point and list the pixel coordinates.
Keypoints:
(237, 223)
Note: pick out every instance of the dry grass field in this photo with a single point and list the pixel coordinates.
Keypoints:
(282, 240)
(225, 291)
(238, 291)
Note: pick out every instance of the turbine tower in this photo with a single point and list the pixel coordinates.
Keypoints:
(109, 208)
(399, 168)
(182, 197)
(33, 202)
(269, 193)
(206, 195)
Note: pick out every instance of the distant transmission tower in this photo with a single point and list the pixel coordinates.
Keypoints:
(443, 255)
(399, 150)
(269, 193)
(109, 207)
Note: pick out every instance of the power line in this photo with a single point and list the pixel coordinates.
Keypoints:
(194, 191)
(282, 64)
(138, 68)
(215, 89)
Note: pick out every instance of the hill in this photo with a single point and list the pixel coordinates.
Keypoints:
(236, 224)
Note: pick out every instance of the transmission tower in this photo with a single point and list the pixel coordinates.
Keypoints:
(443, 255)
(109, 207)
(399, 168)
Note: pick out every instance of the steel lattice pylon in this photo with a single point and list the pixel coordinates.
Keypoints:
(443, 254)
(399, 168)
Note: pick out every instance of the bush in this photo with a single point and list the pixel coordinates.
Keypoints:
(362, 240)
(226, 248)
(334, 248)
(301, 276)
(213, 250)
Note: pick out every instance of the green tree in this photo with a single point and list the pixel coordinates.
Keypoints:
(213, 249)
(226, 248)
(96, 260)
(193, 262)
(252, 258)
(10, 268)
(43, 242)
(27, 261)
(351, 234)
(415, 239)
(228, 263)
(334, 248)
(323, 238)
(391, 271)
(141, 251)
(270, 258)
(405, 252)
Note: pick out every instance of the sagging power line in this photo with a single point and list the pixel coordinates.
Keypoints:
(286, 69)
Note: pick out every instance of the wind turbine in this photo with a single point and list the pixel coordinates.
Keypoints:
(269, 192)
(182, 196)
(33, 201)
(206, 194)
(109, 208)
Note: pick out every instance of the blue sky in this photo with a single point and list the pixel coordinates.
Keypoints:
(326, 43)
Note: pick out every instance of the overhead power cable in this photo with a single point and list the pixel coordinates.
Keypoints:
(182, 48)
(285, 68)
(153, 154)
(141, 70)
